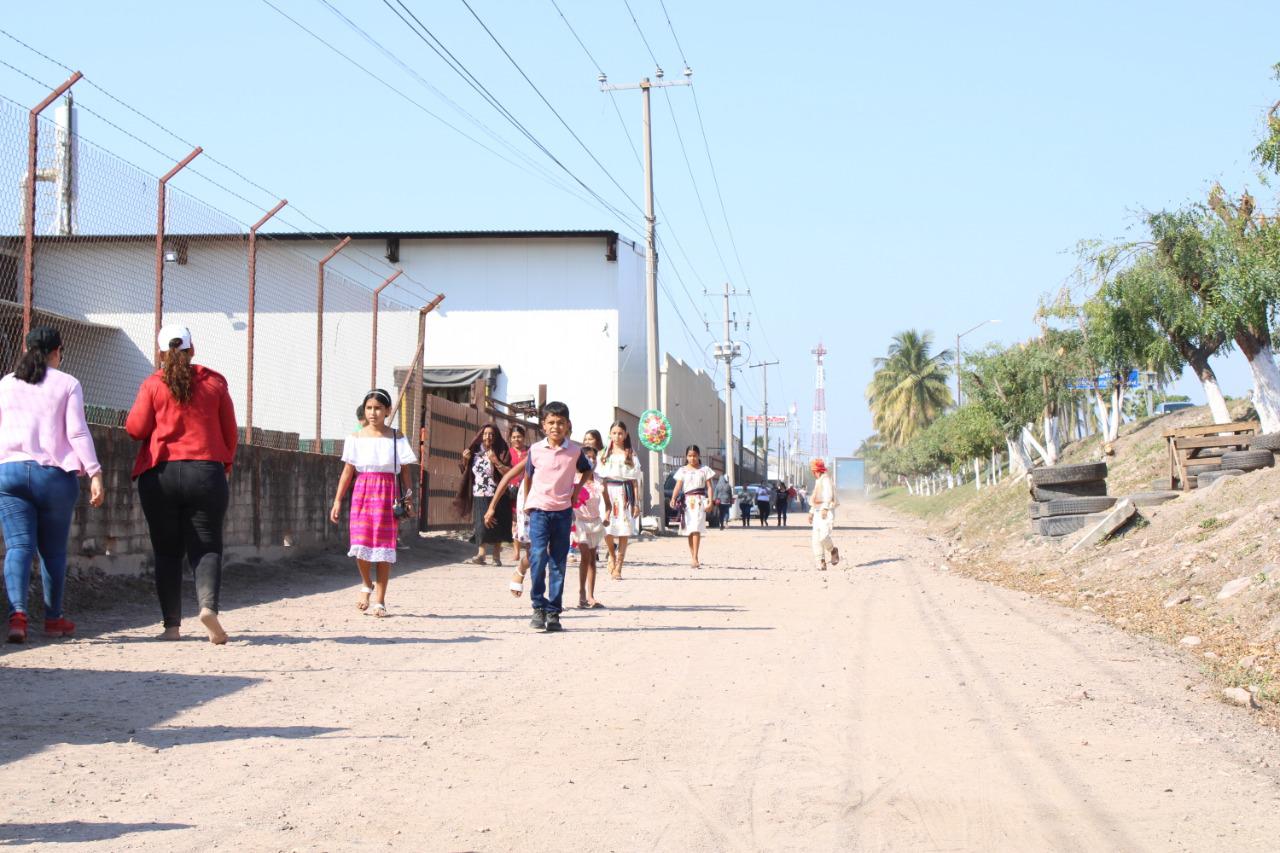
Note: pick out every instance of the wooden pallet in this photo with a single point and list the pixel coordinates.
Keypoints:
(1187, 444)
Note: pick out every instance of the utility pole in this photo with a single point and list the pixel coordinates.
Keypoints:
(651, 269)
(766, 365)
(728, 351)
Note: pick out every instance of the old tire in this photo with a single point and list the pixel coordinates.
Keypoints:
(1061, 491)
(1062, 525)
(1248, 460)
(1075, 506)
(1033, 509)
(1266, 441)
(1208, 478)
(1153, 498)
(1084, 473)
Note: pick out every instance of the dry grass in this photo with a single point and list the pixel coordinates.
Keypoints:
(1162, 575)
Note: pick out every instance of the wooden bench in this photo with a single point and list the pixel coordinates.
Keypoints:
(1187, 444)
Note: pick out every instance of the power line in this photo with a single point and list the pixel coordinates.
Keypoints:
(554, 111)
(427, 37)
(641, 32)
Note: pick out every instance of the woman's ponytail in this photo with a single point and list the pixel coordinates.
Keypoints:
(33, 364)
(177, 370)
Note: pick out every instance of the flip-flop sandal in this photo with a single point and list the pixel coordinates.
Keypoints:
(582, 604)
(595, 605)
(517, 583)
(479, 561)
(835, 556)
(366, 591)
(377, 609)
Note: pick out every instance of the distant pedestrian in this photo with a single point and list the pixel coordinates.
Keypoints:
(781, 500)
(484, 462)
(619, 472)
(374, 456)
(724, 501)
(745, 503)
(187, 425)
(549, 475)
(822, 516)
(690, 499)
(44, 445)
(764, 501)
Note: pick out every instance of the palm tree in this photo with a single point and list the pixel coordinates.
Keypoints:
(909, 388)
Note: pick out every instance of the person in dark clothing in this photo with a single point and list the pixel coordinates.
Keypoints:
(744, 506)
(764, 502)
(780, 503)
(186, 422)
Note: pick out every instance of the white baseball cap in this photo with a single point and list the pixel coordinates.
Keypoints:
(172, 331)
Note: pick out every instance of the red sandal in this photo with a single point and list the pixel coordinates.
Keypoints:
(60, 627)
(18, 628)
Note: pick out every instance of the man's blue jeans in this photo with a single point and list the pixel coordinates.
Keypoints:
(36, 503)
(548, 551)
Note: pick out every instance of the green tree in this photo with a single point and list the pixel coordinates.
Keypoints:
(908, 390)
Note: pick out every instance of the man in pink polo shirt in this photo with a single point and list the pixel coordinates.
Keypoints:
(549, 480)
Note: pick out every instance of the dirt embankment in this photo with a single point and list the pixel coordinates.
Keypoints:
(1201, 572)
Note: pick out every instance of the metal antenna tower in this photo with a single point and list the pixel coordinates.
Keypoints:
(819, 436)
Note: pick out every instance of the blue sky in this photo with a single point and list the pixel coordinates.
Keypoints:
(883, 166)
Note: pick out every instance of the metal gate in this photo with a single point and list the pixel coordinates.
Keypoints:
(448, 427)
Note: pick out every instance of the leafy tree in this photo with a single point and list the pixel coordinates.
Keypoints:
(909, 389)
(1154, 286)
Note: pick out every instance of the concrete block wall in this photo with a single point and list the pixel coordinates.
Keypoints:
(279, 504)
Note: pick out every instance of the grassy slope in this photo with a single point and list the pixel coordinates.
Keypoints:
(1186, 549)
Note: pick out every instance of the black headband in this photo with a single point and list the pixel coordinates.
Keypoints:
(381, 396)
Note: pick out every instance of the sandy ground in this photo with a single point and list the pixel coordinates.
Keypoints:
(753, 705)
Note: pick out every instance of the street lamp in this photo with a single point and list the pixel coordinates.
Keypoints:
(958, 337)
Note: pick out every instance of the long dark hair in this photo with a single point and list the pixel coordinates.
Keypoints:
(626, 442)
(464, 500)
(33, 364)
(177, 372)
(595, 433)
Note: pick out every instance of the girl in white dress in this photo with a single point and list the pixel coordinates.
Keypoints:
(619, 470)
(373, 458)
(691, 494)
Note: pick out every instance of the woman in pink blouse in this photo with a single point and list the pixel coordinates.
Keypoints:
(44, 445)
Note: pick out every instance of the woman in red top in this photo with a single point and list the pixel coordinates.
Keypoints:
(184, 418)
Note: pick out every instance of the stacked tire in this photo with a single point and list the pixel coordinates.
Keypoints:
(1261, 454)
(1067, 498)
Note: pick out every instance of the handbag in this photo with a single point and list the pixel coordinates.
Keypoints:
(399, 508)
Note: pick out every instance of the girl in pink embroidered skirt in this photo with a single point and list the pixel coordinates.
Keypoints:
(374, 457)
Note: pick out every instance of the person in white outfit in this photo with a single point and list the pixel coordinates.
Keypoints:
(822, 516)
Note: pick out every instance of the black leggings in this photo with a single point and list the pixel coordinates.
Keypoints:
(184, 502)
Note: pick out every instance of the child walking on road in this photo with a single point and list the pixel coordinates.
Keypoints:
(822, 516)
(549, 471)
(690, 497)
(590, 534)
(374, 456)
(619, 470)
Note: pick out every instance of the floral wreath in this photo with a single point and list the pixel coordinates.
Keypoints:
(655, 430)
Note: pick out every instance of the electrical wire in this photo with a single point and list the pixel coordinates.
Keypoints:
(424, 34)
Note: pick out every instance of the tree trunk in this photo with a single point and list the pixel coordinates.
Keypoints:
(977, 474)
(1019, 460)
(1212, 392)
(1266, 378)
(1051, 439)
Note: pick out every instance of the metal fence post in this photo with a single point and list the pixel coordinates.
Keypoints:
(160, 200)
(320, 333)
(253, 308)
(29, 230)
(373, 358)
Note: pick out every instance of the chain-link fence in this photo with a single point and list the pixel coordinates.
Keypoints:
(103, 279)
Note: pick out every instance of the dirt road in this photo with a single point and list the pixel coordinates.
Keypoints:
(753, 705)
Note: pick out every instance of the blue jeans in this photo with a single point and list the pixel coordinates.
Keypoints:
(36, 503)
(548, 551)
